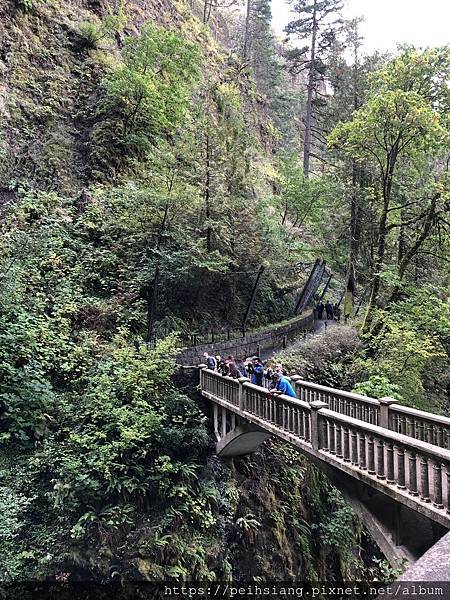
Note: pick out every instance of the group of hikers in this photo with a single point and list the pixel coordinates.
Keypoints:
(271, 375)
(332, 311)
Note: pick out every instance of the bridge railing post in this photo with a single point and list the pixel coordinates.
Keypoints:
(241, 396)
(316, 407)
(294, 379)
(385, 403)
(201, 371)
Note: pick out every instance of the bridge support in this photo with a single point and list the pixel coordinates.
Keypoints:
(243, 439)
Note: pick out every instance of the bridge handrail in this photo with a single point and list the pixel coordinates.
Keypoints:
(430, 450)
(386, 413)
(288, 399)
(422, 414)
(322, 388)
(219, 375)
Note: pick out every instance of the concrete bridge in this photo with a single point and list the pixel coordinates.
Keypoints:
(391, 462)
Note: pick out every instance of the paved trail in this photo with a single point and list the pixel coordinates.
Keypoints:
(319, 327)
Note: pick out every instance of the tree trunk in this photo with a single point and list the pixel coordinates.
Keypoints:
(325, 289)
(152, 295)
(206, 5)
(311, 77)
(356, 172)
(401, 240)
(411, 253)
(311, 286)
(388, 178)
(376, 279)
(208, 193)
(252, 299)
(247, 33)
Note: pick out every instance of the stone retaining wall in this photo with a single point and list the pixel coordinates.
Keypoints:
(253, 343)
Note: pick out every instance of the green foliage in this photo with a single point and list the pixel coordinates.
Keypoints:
(100, 458)
(341, 531)
(326, 358)
(383, 571)
(105, 466)
(149, 93)
(305, 204)
(91, 34)
(378, 386)
(404, 119)
(401, 134)
(408, 348)
(248, 526)
(404, 111)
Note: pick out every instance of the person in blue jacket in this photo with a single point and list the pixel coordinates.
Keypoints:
(282, 386)
(258, 372)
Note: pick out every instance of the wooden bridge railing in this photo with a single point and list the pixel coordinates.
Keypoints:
(397, 463)
(385, 412)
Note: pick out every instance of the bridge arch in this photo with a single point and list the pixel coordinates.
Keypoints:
(243, 439)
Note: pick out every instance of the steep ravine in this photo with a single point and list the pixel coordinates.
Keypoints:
(85, 495)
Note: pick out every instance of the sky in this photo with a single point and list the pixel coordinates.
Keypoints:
(389, 22)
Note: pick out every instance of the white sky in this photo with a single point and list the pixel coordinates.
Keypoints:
(389, 22)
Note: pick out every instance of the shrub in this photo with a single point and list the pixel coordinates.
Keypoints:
(325, 358)
(91, 34)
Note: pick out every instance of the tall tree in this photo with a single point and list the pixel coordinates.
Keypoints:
(210, 6)
(315, 22)
(402, 131)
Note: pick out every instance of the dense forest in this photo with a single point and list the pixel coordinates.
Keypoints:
(154, 158)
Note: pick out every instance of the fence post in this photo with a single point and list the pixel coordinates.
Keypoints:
(241, 380)
(316, 406)
(385, 403)
(201, 368)
(297, 389)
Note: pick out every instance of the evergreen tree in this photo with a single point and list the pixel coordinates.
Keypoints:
(315, 22)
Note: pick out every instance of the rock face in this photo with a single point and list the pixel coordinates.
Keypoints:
(50, 84)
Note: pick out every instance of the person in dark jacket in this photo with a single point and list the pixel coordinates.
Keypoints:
(223, 367)
(337, 312)
(233, 371)
(211, 362)
(268, 374)
(258, 374)
(329, 309)
(241, 367)
(320, 308)
(250, 369)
